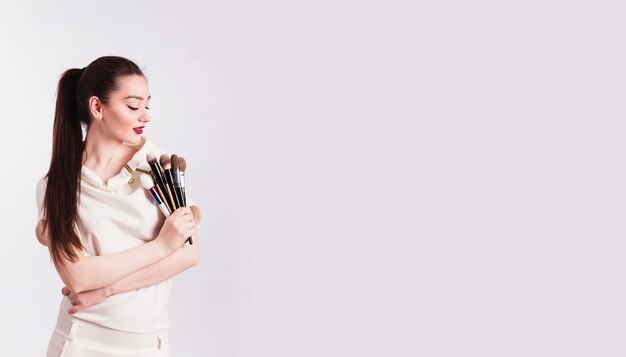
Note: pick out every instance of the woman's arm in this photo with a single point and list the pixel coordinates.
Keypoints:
(183, 258)
(79, 276)
(94, 272)
(175, 263)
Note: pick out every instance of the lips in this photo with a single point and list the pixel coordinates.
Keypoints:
(139, 129)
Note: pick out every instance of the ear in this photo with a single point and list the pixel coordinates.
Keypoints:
(95, 107)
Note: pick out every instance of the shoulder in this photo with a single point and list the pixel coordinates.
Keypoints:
(43, 180)
(41, 186)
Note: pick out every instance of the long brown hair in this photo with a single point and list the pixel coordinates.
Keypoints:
(71, 115)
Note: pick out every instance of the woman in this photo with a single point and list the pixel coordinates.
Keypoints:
(112, 247)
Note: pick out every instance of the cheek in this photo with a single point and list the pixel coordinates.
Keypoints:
(123, 118)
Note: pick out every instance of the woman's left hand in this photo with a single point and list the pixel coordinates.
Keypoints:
(83, 299)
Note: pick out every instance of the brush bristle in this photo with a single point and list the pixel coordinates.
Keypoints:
(146, 181)
(165, 161)
(174, 162)
(151, 158)
(182, 164)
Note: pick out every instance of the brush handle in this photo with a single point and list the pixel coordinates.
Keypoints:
(177, 195)
(171, 204)
(163, 199)
(180, 196)
(159, 202)
(183, 196)
(181, 191)
(169, 177)
(158, 177)
(166, 197)
(169, 194)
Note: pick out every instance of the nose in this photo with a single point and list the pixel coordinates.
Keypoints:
(145, 117)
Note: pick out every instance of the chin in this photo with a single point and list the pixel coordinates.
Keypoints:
(135, 139)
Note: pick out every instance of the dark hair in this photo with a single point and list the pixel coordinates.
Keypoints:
(71, 114)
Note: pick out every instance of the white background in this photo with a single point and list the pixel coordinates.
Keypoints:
(400, 179)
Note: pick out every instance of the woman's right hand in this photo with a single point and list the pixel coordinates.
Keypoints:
(177, 228)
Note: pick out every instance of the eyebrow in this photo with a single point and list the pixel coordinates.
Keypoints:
(138, 97)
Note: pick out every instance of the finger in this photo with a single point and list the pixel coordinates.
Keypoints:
(183, 210)
(74, 302)
(65, 290)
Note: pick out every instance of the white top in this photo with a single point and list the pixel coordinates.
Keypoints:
(114, 217)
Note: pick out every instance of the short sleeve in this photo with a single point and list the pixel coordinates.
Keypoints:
(41, 215)
(39, 195)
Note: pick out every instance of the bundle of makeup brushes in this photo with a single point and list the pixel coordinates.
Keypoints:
(167, 186)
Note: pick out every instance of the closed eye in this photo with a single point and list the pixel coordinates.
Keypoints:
(133, 108)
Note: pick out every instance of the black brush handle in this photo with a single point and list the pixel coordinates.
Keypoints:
(158, 176)
(183, 196)
(181, 190)
(170, 183)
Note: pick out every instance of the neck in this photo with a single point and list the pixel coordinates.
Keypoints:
(102, 150)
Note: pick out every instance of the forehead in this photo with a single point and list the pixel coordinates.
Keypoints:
(132, 87)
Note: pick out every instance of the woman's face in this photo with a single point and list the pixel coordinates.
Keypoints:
(126, 113)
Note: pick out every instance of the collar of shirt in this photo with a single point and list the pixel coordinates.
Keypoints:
(129, 173)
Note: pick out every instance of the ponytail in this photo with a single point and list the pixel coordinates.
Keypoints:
(63, 177)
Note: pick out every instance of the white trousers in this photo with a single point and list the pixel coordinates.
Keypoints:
(73, 337)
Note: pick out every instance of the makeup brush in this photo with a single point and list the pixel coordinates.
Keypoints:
(169, 177)
(159, 179)
(162, 197)
(176, 179)
(182, 166)
(148, 184)
(169, 180)
(177, 182)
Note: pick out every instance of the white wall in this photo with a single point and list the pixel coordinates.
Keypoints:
(377, 179)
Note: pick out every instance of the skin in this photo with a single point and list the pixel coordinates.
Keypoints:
(107, 150)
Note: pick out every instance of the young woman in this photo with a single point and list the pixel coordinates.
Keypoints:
(113, 248)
